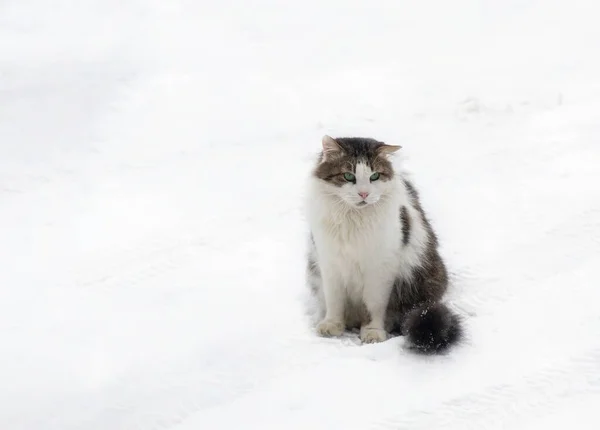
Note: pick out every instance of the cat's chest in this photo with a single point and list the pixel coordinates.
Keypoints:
(360, 243)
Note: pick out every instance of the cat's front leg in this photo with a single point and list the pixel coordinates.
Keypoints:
(376, 295)
(335, 300)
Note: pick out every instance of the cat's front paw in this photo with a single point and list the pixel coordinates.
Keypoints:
(372, 335)
(330, 328)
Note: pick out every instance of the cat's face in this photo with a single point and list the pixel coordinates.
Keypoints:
(356, 170)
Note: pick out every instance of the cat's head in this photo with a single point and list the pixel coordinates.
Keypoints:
(355, 169)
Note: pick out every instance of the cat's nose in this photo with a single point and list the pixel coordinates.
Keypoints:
(363, 194)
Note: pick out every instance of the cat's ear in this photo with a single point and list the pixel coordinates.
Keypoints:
(388, 149)
(330, 147)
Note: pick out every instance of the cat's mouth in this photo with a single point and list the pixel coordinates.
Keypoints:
(363, 203)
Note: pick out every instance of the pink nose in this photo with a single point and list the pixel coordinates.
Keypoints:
(364, 194)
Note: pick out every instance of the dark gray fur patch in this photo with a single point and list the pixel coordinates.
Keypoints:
(427, 285)
(405, 219)
(432, 328)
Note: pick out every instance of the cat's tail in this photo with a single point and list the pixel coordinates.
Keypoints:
(432, 328)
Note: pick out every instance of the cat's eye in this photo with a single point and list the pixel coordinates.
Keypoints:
(349, 177)
(374, 176)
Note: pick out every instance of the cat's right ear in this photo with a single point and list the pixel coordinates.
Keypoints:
(386, 149)
(330, 148)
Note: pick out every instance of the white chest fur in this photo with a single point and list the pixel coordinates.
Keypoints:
(360, 248)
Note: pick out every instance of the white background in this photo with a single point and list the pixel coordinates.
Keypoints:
(153, 159)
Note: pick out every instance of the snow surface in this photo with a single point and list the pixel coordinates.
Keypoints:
(153, 158)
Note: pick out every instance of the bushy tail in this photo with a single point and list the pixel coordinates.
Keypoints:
(432, 328)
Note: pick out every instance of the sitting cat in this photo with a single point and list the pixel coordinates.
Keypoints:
(373, 261)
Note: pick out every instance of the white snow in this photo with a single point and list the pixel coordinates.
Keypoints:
(153, 157)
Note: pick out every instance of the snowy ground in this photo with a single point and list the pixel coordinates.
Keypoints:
(153, 157)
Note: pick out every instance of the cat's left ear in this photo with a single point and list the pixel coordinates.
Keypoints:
(330, 147)
(388, 149)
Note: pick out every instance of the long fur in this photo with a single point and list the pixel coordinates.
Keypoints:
(432, 328)
(373, 261)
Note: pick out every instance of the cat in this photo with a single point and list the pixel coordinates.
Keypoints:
(373, 260)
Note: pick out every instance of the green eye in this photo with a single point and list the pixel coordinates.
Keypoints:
(349, 177)
(375, 176)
